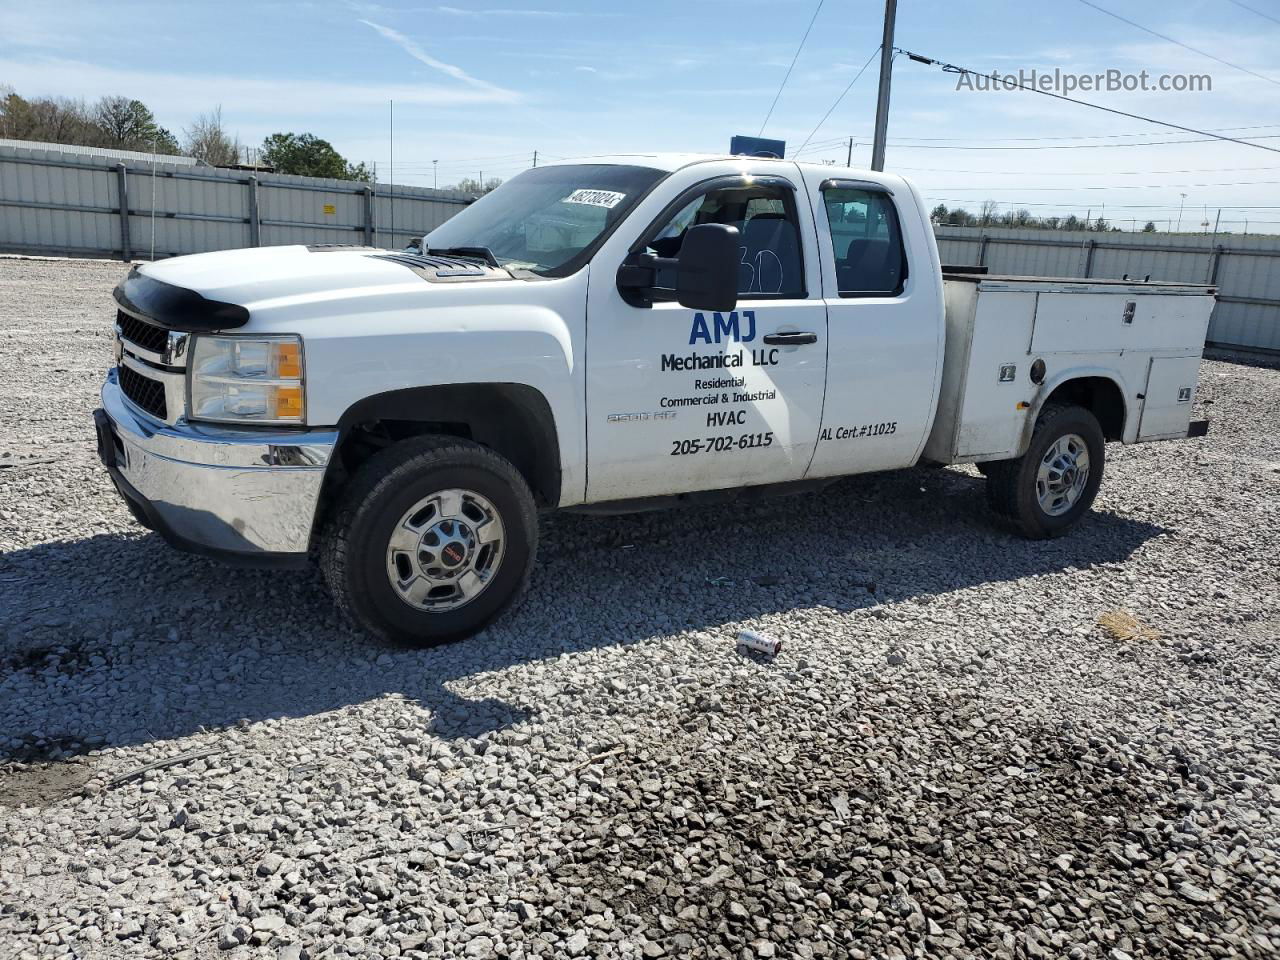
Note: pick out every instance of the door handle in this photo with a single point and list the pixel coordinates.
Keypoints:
(790, 339)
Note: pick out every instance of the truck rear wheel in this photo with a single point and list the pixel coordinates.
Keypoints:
(1048, 489)
(432, 540)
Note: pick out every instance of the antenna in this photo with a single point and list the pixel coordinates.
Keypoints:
(153, 199)
(392, 195)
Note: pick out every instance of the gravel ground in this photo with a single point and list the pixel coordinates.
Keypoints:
(949, 758)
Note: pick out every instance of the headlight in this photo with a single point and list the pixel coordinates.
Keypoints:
(247, 380)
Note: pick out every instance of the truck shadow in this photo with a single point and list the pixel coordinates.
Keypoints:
(118, 637)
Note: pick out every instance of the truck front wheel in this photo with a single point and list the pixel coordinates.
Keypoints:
(431, 541)
(1046, 491)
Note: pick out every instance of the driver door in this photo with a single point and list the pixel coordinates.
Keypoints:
(680, 400)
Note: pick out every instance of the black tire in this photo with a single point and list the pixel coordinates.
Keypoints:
(354, 546)
(1011, 484)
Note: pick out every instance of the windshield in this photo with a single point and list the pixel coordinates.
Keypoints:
(547, 219)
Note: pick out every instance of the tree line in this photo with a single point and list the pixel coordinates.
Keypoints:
(122, 123)
(116, 122)
(988, 216)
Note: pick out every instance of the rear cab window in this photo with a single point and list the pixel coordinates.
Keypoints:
(866, 237)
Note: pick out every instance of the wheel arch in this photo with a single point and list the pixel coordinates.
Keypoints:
(512, 419)
(1097, 389)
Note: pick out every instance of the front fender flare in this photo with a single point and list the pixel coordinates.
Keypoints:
(514, 419)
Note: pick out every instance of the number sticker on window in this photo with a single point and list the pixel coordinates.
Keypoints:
(596, 198)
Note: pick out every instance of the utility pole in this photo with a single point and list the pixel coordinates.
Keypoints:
(849, 160)
(886, 75)
(435, 180)
(535, 158)
(1180, 205)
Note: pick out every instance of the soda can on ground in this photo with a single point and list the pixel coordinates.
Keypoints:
(759, 643)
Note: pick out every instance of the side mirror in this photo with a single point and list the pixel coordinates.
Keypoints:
(707, 268)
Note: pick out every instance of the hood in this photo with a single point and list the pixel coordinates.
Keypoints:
(218, 291)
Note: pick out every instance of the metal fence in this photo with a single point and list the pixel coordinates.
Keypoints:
(1246, 270)
(73, 204)
(68, 204)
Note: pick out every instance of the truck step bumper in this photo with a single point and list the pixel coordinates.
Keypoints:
(246, 497)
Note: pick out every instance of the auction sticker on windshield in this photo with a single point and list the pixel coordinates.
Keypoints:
(596, 198)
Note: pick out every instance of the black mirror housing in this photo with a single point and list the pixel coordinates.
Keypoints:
(707, 268)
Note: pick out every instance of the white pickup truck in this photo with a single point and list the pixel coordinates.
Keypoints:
(611, 335)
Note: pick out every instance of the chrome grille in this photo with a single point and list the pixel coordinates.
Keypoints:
(145, 335)
(151, 361)
(145, 393)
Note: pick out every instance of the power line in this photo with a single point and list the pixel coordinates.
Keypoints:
(1089, 146)
(1245, 6)
(1185, 46)
(1077, 146)
(457, 160)
(1078, 136)
(1084, 173)
(1118, 206)
(812, 19)
(856, 76)
(1139, 186)
(952, 68)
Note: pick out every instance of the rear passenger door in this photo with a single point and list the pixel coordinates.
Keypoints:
(883, 329)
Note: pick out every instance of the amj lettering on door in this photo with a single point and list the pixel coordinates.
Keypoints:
(723, 328)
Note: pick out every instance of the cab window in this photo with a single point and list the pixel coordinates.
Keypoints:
(770, 264)
(867, 239)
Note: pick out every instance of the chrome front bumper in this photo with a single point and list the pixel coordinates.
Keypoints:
(243, 495)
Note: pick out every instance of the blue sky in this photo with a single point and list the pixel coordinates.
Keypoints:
(480, 87)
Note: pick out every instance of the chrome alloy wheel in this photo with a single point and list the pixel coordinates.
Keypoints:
(1063, 474)
(445, 550)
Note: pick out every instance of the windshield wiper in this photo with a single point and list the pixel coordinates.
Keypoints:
(481, 253)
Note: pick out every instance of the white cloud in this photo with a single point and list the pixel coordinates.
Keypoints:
(21, 28)
(415, 51)
(463, 12)
(183, 94)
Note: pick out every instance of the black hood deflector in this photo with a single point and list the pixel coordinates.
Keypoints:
(177, 308)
